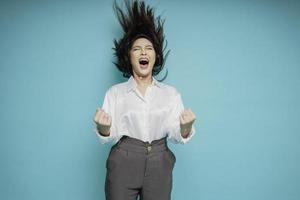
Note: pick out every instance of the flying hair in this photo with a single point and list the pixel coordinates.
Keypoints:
(138, 21)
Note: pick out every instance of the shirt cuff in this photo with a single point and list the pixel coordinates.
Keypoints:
(103, 139)
(190, 135)
(174, 135)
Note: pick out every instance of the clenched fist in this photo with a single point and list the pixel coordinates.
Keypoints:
(187, 119)
(103, 122)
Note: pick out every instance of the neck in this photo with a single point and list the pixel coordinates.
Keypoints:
(143, 80)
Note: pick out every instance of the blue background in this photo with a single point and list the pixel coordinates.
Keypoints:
(236, 63)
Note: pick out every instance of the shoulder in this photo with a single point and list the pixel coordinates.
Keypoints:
(169, 89)
(117, 88)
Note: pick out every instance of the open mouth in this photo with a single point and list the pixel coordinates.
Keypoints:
(144, 63)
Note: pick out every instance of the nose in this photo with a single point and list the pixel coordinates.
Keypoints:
(143, 51)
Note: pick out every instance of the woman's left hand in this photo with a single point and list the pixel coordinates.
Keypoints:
(187, 119)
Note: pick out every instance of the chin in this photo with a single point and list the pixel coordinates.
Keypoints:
(144, 74)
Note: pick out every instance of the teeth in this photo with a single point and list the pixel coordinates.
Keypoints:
(144, 59)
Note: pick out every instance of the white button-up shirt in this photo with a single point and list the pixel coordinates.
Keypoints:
(147, 118)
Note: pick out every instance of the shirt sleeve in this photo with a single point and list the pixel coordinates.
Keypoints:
(109, 107)
(173, 123)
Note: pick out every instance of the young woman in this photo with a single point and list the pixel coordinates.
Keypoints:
(141, 114)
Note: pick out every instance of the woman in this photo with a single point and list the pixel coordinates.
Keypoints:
(141, 114)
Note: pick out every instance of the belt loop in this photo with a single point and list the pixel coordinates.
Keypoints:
(166, 142)
(120, 140)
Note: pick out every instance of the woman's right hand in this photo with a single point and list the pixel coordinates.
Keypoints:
(103, 122)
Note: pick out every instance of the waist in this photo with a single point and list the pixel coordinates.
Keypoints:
(133, 144)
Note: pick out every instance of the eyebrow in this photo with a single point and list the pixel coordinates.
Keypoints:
(148, 45)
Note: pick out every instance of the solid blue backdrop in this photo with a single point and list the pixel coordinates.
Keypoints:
(236, 63)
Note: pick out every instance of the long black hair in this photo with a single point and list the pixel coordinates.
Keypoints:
(138, 21)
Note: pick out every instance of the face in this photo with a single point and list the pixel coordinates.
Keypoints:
(142, 57)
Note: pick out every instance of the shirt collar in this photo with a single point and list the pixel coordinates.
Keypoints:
(131, 83)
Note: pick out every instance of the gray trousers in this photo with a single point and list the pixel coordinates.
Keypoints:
(136, 168)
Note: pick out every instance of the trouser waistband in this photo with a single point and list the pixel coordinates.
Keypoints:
(136, 145)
